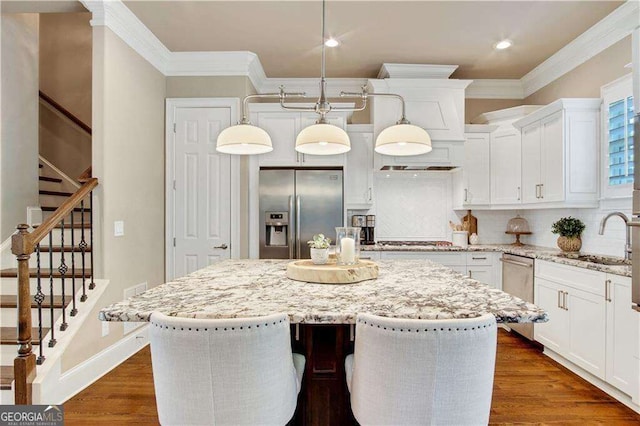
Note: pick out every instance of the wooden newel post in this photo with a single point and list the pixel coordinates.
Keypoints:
(25, 363)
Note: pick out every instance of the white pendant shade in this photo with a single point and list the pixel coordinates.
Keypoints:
(323, 139)
(244, 139)
(403, 139)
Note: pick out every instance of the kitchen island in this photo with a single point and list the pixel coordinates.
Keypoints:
(322, 315)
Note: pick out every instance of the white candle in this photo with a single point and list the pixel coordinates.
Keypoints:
(348, 250)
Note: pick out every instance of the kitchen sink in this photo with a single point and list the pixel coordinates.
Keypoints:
(600, 260)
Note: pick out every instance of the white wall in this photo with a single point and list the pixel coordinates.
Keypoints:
(19, 112)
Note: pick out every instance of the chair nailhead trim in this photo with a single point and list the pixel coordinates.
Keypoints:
(426, 329)
(266, 324)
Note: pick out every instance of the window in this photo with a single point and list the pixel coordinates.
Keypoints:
(620, 141)
(617, 111)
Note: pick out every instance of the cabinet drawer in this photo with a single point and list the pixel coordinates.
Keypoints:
(572, 276)
(480, 258)
(446, 258)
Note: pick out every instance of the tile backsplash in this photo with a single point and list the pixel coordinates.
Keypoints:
(418, 206)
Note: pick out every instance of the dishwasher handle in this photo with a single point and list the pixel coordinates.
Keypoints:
(514, 262)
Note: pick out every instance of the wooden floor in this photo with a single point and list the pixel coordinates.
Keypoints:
(529, 388)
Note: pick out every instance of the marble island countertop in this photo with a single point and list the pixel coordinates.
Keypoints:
(534, 252)
(246, 288)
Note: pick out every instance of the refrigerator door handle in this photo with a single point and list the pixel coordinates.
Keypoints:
(298, 226)
(291, 228)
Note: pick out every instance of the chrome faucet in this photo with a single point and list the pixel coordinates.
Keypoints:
(627, 246)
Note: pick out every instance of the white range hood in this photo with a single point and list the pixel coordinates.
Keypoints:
(434, 102)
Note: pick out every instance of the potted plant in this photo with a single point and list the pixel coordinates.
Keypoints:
(569, 229)
(319, 249)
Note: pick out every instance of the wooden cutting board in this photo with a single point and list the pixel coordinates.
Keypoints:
(332, 273)
(472, 221)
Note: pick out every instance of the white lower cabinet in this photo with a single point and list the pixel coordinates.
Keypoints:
(590, 323)
(481, 266)
(622, 324)
(550, 296)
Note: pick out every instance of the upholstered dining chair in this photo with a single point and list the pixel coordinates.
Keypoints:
(418, 372)
(224, 372)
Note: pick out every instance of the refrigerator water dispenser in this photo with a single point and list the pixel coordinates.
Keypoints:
(277, 228)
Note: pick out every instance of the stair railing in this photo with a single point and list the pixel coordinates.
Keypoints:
(23, 245)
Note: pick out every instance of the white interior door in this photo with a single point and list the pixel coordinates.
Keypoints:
(202, 209)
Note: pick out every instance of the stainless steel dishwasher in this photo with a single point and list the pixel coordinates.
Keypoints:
(517, 280)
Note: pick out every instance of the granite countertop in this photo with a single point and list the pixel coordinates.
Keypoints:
(246, 288)
(534, 252)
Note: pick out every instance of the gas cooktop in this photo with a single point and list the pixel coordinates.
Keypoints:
(415, 243)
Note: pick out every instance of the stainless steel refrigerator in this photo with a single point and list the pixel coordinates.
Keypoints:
(295, 204)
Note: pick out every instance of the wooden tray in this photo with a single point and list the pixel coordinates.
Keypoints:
(332, 273)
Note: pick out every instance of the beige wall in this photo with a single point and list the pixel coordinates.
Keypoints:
(475, 107)
(65, 61)
(65, 76)
(62, 143)
(585, 81)
(208, 87)
(19, 112)
(128, 160)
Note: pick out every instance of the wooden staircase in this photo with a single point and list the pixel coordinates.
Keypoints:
(53, 278)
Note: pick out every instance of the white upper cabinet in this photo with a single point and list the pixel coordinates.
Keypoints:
(505, 153)
(472, 184)
(560, 154)
(543, 160)
(283, 126)
(436, 105)
(476, 169)
(358, 182)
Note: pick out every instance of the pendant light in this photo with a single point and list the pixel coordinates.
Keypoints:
(323, 138)
(244, 139)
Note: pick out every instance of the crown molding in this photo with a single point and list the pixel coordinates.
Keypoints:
(416, 71)
(116, 16)
(495, 89)
(611, 29)
(122, 21)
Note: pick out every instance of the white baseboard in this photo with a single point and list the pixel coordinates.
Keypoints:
(58, 390)
(597, 382)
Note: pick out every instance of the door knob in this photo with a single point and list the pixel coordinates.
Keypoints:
(223, 246)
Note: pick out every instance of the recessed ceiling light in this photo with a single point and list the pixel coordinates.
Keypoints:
(504, 44)
(331, 42)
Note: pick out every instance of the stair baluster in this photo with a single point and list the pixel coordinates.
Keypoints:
(52, 341)
(83, 247)
(63, 272)
(39, 298)
(92, 285)
(23, 244)
(74, 311)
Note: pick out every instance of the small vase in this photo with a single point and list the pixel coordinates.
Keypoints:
(319, 256)
(474, 239)
(570, 244)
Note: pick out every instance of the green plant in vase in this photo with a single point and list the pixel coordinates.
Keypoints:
(319, 249)
(569, 230)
